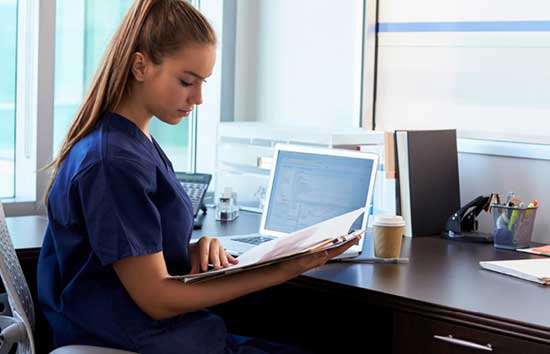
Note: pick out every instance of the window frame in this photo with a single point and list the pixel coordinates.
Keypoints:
(34, 104)
(368, 69)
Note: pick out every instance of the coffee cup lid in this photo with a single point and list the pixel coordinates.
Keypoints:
(388, 220)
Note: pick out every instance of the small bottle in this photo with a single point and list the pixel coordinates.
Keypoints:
(226, 208)
(260, 196)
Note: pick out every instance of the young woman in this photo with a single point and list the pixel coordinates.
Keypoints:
(119, 221)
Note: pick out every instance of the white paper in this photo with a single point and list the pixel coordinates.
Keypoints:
(296, 242)
(301, 239)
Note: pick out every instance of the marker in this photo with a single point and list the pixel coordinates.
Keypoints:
(509, 198)
(533, 204)
(513, 218)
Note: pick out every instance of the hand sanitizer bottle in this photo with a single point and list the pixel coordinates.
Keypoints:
(226, 208)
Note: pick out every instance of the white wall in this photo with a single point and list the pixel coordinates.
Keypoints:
(298, 63)
(491, 80)
(462, 10)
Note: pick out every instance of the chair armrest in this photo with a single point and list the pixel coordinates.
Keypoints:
(12, 331)
(5, 309)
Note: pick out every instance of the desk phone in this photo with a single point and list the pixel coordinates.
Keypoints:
(195, 185)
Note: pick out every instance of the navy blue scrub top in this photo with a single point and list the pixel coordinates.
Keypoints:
(116, 196)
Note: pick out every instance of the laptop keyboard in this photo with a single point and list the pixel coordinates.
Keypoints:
(253, 240)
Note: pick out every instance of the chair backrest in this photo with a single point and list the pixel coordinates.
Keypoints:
(19, 295)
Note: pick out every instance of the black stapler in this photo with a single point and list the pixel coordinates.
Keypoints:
(462, 225)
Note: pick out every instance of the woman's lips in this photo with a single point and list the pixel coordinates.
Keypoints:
(184, 112)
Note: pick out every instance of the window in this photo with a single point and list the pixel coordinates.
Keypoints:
(295, 86)
(8, 44)
(292, 66)
(291, 71)
(69, 37)
(83, 31)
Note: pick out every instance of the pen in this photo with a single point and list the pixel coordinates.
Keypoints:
(509, 198)
(376, 260)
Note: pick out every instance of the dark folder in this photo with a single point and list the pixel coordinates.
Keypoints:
(428, 170)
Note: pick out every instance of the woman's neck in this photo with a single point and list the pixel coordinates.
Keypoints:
(137, 114)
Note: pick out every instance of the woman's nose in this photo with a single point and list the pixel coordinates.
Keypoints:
(196, 97)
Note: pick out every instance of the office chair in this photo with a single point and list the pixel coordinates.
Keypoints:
(17, 318)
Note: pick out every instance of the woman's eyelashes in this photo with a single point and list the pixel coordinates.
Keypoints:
(185, 83)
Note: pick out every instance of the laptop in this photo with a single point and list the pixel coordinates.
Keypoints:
(308, 185)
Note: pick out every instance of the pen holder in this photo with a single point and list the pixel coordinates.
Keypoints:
(513, 226)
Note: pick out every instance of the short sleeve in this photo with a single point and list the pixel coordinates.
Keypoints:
(119, 215)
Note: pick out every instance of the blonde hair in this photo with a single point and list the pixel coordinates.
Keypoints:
(153, 27)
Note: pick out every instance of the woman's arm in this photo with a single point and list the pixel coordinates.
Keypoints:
(147, 281)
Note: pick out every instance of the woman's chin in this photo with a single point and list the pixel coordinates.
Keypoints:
(173, 120)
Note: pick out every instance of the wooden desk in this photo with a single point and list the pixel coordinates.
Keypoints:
(442, 291)
(27, 233)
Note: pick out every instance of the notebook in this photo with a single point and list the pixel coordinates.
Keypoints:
(536, 270)
(308, 185)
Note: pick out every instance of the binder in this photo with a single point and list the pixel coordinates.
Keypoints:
(428, 183)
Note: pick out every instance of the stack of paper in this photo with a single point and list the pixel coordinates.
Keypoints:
(322, 236)
(536, 270)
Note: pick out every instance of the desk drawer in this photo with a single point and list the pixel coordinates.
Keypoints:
(416, 334)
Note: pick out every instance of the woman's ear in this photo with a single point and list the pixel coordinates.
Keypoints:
(139, 66)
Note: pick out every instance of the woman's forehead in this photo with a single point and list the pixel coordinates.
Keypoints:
(196, 60)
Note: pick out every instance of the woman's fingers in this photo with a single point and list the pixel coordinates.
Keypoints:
(204, 252)
(310, 261)
(342, 248)
(223, 258)
(211, 251)
(226, 258)
(215, 253)
(322, 258)
(232, 259)
(218, 256)
(194, 268)
(194, 258)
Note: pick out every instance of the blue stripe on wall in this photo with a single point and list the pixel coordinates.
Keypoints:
(466, 26)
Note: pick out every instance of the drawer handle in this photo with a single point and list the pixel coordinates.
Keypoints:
(464, 343)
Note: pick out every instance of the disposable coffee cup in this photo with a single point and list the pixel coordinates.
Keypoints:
(388, 233)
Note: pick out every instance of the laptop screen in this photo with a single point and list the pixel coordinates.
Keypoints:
(308, 188)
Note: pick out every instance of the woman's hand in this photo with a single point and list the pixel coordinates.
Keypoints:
(297, 266)
(209, 250)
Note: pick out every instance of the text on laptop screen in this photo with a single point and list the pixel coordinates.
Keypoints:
(309, 188)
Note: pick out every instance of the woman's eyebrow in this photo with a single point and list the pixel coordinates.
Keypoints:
(195, 75)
